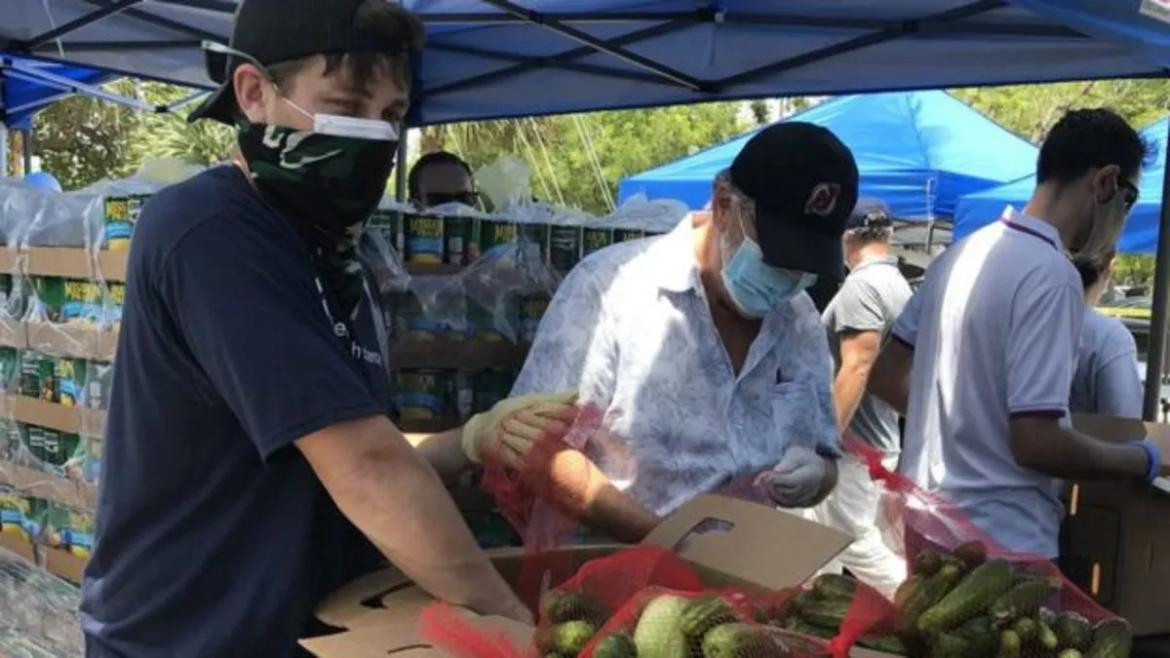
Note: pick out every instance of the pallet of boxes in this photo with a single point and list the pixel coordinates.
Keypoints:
(62, 267)
(463, 293)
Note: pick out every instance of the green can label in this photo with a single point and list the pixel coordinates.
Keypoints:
(423, 239)
(121, 217)
(70, 377)
(564, 248)
(388, 223)
(79, 300)
(531, 312)
(627, 234)
(424, 394)
(453, 235)
(538, 234)
(493, 233)
(595, 239)
(37, 376)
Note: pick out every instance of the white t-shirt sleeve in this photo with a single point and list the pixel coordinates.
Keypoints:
(906, 327)
(1118, 385)
(1044, 331)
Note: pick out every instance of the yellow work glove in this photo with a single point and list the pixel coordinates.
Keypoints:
(505, 433)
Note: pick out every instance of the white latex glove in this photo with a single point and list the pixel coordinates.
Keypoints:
(505, 433)
(796, 480)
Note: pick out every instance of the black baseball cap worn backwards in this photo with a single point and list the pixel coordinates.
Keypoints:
(804, 182)
(275, 31)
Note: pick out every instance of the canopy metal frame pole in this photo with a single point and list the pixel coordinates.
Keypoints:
(78, 23)
(3, 150)
(400, 167)
(1156, 356)
(26, 148)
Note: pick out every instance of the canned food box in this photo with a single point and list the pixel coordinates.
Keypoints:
(38, 376)
(491, 386)
(78, 300)
(98, 379)
(422, 237)
(627, 234)
(494, 233)
(483, 325)
(77, 535)
(564, 247)
(535, 233)
(388, 223)
(10, 441)
(69, 375)
(9, 369)
(122, 213)
(59, 448)
(453, 237)
(13, 509)
(532, 310)
(412, 323)
(594, 239)
(424, 394)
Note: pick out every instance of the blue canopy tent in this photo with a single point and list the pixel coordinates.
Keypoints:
(503, 58)
(1141, 231)
(27, 86)
(917, 151)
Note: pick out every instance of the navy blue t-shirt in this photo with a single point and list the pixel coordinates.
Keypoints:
(214, 537)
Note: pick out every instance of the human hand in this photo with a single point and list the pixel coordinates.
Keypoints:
(796, 480)
(505, 433)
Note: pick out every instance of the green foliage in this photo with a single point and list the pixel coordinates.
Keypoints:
(82, 140)
(578, 159)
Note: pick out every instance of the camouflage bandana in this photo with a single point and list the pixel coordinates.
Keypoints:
(327, 186)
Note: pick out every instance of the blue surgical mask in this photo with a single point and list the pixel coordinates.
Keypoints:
(757, 288)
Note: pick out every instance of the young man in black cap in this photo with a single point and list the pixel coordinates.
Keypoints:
(250, 467)
(702, 349)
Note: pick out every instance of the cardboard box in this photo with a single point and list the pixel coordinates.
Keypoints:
(73, 420)
(80, 340)
(729, 542)
(76, 263)
(37, 484)
(1115, 542)
(63, 564)
(13, 333)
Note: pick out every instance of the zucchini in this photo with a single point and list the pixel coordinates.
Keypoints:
(1072, 653)
(1046, 637)
(1111, 639)
(1024, 599)
(1027, 629)
(615, 645)
(1073, 630)
(972, 554)
(568, 638)
(834, 586)
(927, 562)
(1010, 645)
(884, 643)
(703, 614)
(906, 589)
(969, 598)
(558, 607)
(658, 633)
(829, 614)
(930, 591)
(947, 645)
(981, 635)
(741, 640)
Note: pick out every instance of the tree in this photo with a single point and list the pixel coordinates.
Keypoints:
(578, 159)
(82, 140)
(171, 135)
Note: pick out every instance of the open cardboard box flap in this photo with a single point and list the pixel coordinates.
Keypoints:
(731, 542)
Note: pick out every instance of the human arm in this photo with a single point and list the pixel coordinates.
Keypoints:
(1044, 332)
(889, 379)
(575, 349)
(1116, 381)
(390, 493)
(859, 351)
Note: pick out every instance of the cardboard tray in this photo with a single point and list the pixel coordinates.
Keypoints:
(728, 541)
(82, 341)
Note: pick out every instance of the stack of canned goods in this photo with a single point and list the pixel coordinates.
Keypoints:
(448, 395)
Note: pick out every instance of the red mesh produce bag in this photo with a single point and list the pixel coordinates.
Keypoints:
(969, 596)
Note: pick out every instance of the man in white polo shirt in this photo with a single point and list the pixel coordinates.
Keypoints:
(983, 355)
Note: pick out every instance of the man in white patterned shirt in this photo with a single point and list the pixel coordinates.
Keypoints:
(702, 349)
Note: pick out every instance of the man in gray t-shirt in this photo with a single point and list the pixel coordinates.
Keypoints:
(858, 320)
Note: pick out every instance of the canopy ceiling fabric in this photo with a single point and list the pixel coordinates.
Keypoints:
(919, 152)
(22, 95)
(501, 58)
(1141, 230)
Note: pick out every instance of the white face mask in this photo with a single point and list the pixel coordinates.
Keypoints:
(343, 126)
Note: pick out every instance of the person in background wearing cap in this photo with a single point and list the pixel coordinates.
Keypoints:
(441, 177)
(701, 348)
(858, 321)
(1106, 379)
(250, 467)
(982, 358)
